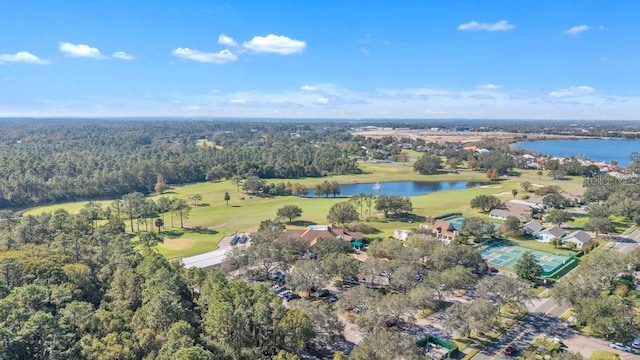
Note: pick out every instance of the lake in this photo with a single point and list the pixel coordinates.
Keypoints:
(594, 149)
(404, 188)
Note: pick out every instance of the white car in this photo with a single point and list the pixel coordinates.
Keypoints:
(285, 293)
(636, 343)
(620, 346)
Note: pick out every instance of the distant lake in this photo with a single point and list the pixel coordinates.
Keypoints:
(594, 149)
(404, 188)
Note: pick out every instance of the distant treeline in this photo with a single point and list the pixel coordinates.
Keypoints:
(54, 160)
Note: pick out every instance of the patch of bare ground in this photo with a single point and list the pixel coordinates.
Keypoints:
(464, 137)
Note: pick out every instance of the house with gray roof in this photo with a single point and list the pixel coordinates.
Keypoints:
(532, 228)
(547, 234)
(577, 237)
(522, 211)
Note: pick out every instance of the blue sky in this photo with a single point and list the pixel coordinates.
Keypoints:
(529, 59)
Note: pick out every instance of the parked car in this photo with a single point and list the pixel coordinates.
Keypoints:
(285, 293)
(510, 350)
(351, 280)
(292, 296)
(323, 293)
(620, 346)
(332, 299)
(636, 343)
(277, 276)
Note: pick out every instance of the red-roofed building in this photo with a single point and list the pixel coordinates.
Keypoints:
(444, 230)
(315, 232)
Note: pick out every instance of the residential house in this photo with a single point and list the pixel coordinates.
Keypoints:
(553, 232)
(315, 232)
(401, 234)
(578, 237)
(444, 230)
(523, 210)
(532, 228)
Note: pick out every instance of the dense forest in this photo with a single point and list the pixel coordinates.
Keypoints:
(71, 290)
(55, 160)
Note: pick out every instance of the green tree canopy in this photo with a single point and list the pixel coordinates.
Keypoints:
(428, 164)
(527, 267)
(485, 202)
(342, 212)
(289, 212)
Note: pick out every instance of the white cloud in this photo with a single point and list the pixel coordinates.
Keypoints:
(572, 91)
(370, 39)
(577, 29)
(276, 44)
(226, 40)
(222, 57)
(338, 102)
(122, 56)
(79, 50)
(489, 86)
(321, 101)
(501, 25)
(308, 88)
(22, 57)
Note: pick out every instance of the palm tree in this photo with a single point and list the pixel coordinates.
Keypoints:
(159, 223)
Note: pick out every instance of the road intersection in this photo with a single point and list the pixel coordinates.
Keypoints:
(544, 319)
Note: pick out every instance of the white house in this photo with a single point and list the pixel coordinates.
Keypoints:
(577, 237)
(547, 234)
(532, 228)
(401, 234)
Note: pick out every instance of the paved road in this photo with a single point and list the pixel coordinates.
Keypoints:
(628, 243)
(543, 319)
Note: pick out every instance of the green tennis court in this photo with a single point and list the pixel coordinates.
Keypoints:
(502, 254)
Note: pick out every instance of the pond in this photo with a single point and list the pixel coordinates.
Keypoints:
(594, 149)
(404, 188)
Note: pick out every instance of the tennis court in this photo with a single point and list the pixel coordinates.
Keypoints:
(502, 254)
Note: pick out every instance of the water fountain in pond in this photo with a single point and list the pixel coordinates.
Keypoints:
(377, 187)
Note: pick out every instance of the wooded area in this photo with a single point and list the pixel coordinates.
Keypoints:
(56, 160)
(71, 290)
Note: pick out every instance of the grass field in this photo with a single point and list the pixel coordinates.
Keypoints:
(619, 222)
(245, 212)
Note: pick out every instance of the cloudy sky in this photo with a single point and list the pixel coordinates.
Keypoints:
(528, 59)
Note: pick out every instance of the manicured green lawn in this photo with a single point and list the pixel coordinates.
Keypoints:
(604, 355)
(619, 223)
(187, 243)
(245, 211)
